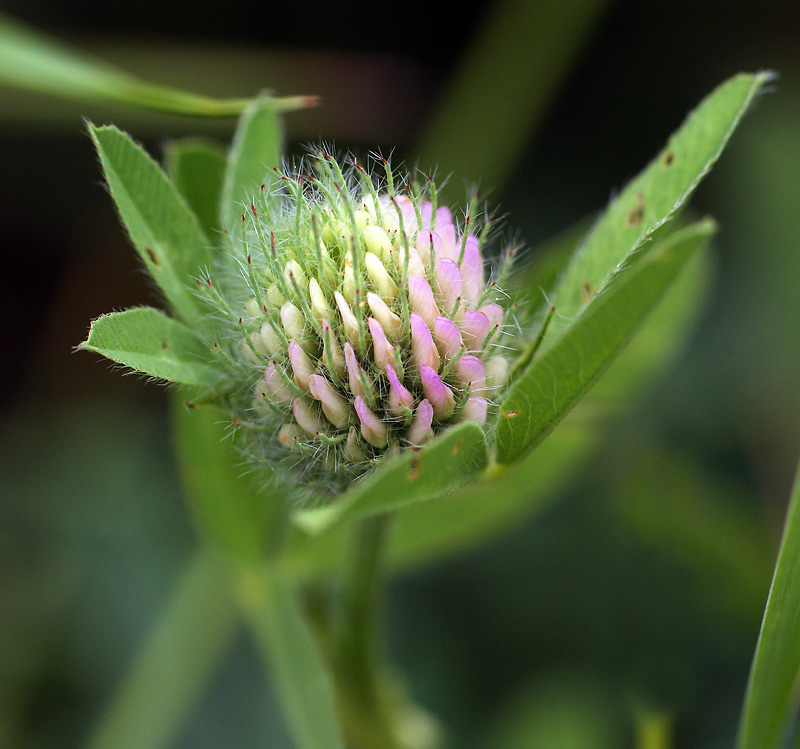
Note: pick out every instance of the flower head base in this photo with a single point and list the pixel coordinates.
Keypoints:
(363, 320)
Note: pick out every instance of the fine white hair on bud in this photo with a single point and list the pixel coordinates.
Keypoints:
(368, 319)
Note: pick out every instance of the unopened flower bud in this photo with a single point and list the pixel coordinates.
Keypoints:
(289, 435)
(293, 275)
(334, 407)
(475, 409)
(373, 429)
(496, 372)
(353, 451)
(439, 395)
(448, 337)
(420, 428)
(275, 299)
(306, 416)
(415, 262)
(474, 328)
(494, 313)
(359, 380)
(274, 386)
(386, 287)
(348, 318)
(448, 282)
(390, 322)
(420, 298)
(302, 366)
(427, 240)
(398, 395)
(423, 349)
(319, 304)
(292, 320)
(377, 241)
(382, 350)
(471, 271)
(266, 340)
(332, 356)
(471, 373)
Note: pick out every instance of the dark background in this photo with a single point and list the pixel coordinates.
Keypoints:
(639, 591)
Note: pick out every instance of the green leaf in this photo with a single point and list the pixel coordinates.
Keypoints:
(196, 167)
(772, 689)
(176, 662)
(236, 511)
(148, 341)
(557, 379)
(32, 61)
(165, 232)
(302, 682)
(654, 196)
(256, 150)
(452, 460)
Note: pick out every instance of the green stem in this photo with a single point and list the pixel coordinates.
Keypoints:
(654, 731)
(365, 714)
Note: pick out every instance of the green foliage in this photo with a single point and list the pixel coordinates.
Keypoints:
(772, 690)
(164, 230)
(197, 167)
(256, 150)
(623, 267)
(654, 197)
(29, 60)
(451, 460)
(171, 670)
(232, 508)
(553, 383)
(304, 685)
(148, 341)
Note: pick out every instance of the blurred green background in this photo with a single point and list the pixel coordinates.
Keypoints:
(628, 602)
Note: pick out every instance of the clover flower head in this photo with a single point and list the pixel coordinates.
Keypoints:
(366, 319)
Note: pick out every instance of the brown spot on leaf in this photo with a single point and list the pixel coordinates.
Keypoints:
(164, 345)
(414, 472)
(587, 291)
(511, 414)
(636, 214)
(456, 448)
(152, 256)
(668, 158)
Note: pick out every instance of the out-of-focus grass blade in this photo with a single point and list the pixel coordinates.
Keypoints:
(176, 662)
(146, 340)
(654, 196)
(196, 167)
(32, 61)
(302, 681)
(165, 232)
(507, 78)
(553, 383)
(450, 461)
(772, 688)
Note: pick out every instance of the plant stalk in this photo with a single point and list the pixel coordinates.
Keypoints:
(365, 714)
